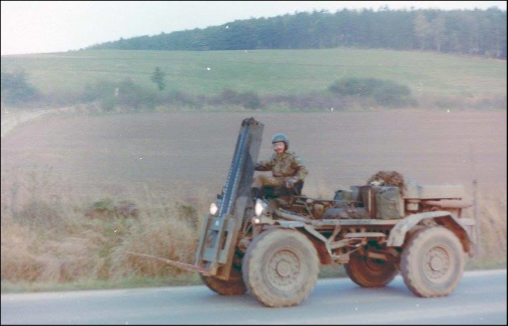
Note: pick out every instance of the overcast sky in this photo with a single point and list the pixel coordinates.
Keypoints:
(51, 26)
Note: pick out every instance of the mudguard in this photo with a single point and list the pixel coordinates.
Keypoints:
(399, 231)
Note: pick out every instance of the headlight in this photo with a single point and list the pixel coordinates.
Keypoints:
(214, 208)
(260, 207)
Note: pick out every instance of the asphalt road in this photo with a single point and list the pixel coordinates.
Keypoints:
(480, 298)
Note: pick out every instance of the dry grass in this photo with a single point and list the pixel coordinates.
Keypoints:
(48, 238)
(492, 214)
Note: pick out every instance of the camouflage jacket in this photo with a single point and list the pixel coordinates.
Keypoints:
(284, 165)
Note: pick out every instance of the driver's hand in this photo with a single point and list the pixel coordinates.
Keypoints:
(290, 182)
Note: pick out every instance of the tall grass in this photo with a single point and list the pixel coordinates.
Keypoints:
(51, 237)
(492, 219)
(47, 237)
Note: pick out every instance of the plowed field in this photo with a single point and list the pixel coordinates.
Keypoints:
(116, 153)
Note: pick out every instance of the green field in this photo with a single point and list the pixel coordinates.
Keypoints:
(265, 71)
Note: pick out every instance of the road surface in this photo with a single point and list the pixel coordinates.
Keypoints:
(480, 298)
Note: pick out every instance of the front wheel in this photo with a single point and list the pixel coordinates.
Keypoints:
(432, 262)
(370, 273)
(280, 267)
(234, 286)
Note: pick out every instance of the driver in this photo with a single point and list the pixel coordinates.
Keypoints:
(287, 168)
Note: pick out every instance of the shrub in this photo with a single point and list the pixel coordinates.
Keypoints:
(125, 94)
(131, 95)
(16, 88)
(109, 208)
(39, 214)
(384, 92)
(108, 103)
(98, 90)
(249, 100)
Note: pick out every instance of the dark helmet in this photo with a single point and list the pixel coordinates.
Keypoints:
(281, 138)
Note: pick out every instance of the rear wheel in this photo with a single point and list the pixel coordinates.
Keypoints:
(234, 286)
(370, 273)
(280, 267)
(432, 262)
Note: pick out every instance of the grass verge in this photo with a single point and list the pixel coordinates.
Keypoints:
(52, 241)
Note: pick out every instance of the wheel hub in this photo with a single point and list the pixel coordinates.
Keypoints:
(283, 270)
(374, 265)
(438, 263)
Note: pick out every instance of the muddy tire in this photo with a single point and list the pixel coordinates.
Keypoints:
(235, 286)
(280, 268)
(370, 273)
(432, 262)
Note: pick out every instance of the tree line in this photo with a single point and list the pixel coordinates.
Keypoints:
(473, 32)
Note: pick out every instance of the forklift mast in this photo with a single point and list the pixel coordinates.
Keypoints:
(219, 234)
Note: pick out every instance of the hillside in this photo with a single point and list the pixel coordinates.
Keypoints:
(264, 71)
